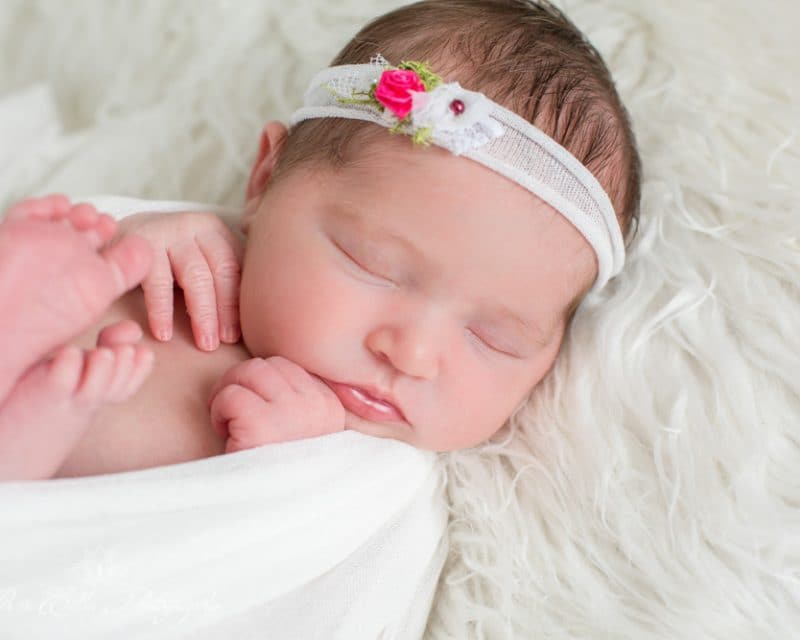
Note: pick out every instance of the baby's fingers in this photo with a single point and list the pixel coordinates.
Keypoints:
(159, 290)
(234, 409)
(223, 256)
(193, 275)
(256, 374)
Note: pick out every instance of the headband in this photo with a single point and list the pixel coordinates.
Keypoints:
(412, 100)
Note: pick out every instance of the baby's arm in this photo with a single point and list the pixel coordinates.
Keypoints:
(264, 401)
(203, 256)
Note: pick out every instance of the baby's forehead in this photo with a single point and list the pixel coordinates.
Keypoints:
(395, 172)
(399, 175)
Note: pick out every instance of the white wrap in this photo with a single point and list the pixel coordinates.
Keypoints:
(332, 537)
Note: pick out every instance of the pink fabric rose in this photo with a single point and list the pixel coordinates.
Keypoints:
(394, 90)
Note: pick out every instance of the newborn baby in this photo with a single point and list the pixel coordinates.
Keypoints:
(414, 286)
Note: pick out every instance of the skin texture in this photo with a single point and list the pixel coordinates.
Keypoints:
(52, 404)
(45, 302)
(326, 298)
(418, 318)
(56, 278)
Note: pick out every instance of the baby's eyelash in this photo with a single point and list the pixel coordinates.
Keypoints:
(490, 346)
(359, 265)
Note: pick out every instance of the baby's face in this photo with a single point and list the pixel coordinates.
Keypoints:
(417, 276)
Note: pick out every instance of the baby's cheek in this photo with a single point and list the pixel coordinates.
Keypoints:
(301, 317)
(472, 406)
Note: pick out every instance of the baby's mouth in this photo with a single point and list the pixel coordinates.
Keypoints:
(362, 403)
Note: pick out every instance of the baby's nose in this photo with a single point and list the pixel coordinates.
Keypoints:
(412, 347)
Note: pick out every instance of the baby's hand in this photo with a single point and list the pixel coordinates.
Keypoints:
(200, 253)
(263, 401)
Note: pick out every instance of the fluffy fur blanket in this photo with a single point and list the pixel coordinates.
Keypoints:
(650, 489)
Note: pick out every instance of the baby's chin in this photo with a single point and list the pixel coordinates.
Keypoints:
(403, 432)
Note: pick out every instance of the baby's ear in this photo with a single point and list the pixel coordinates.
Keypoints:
(272, 138)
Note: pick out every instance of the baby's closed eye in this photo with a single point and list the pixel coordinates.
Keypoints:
(497, 343)
(376, 269)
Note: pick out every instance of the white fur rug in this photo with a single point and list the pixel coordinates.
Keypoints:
(651, 488)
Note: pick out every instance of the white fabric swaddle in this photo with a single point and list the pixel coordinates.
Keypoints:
(334, 537)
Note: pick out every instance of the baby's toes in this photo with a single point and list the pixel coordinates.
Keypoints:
(96, 227)
(124, 356)
(98, 373)
(119, 334)
(53, 380)
(106, 227)
(52, 207)
(143, 360)
(65, 369)
(132, 365)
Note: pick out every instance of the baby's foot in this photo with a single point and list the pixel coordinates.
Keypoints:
(97, 228)
(51, 406)
(55, 280)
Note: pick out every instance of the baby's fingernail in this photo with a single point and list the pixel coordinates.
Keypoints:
(230, 334)
(164, 334)
(208, 342)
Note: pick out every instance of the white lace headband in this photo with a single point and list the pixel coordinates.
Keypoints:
(411, 99)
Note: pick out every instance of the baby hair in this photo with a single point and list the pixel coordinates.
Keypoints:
(525, 55)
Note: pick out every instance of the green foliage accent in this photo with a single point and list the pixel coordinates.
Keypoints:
(359, 97)
(422, 136)
(428, 77)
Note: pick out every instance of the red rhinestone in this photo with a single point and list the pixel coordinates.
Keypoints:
(457, 107)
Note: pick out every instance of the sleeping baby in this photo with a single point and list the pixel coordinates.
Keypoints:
(414, 286)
